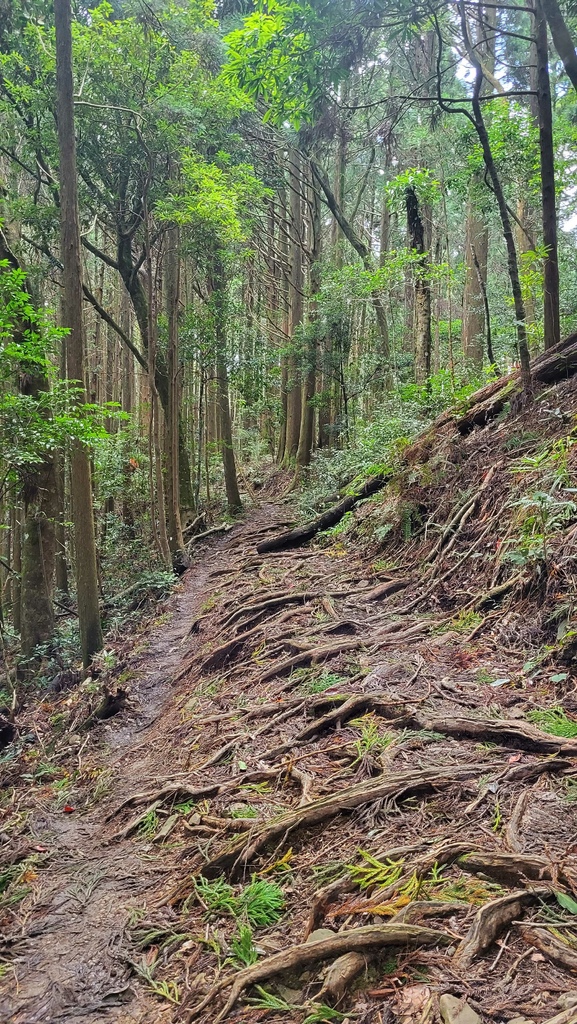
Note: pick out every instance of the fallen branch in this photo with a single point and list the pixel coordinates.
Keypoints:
(223, 528)
(302, 534)
(359, 940)
(516, 868)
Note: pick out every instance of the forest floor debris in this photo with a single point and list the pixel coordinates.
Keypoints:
(324, 744)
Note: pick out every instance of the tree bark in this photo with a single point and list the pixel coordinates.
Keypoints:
(512, 262)
(422, 285)
(218, 288)
(172, 298)
(476, 246)
(296, 296)
(562, 39)
(552, 329)
(307, 412)
(86, 571)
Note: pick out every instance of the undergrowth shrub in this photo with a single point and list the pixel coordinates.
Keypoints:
(377, 444)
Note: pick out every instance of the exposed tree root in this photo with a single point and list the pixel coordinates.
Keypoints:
(558, 952)
(361, 940)
(490, 920)
(236, 856)
(386, 589)
(315, 654)
(498, 730)
(515, 868)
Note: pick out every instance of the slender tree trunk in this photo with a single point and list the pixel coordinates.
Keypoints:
(552, 329)
(172, 298)
(308, 413)
(296, 290)
(218, 287)
(86, 571)
(562, 39)
(422, 285)
(512, 262)
(476, 253)
(475, 326)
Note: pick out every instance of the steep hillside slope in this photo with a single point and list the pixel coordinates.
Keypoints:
(357, 801)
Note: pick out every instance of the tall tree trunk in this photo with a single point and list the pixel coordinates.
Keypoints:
(552, 329)
(422, 285)
(296, 290)
(562, 39)
(86, 571)
(475, 325)
(172, 298)
(308, 413)
(512, 262)
(218, 288)
(476, 253)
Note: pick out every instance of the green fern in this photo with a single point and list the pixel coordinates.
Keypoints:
(554, 721)
(242, 946)
(374, 871)
(262, 902)
(218, 897)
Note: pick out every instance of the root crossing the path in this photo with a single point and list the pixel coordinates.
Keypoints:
(320, 799)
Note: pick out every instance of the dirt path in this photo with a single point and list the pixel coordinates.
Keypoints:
(70, 965)
(303, 725)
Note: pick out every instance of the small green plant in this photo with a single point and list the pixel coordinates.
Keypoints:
(341, 527)
(320, 683)
(497, 817)
(149, 825)
(262, 902)
(465, 622)
(184, 808)
(323, 1015)
(370, 741)
(554, 721)
(217, 897)
(268, 1001)
(165, 989)
(541, 515)
(242, 946)
(375, 872)
(246, 811)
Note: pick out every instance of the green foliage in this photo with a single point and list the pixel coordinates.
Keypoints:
(323, 1014)
(149, 825)
(555, 721)
(375, 872)
(261, 903)
(267, 1001)
(541, 515)
(371, 741)
(43, 414)
(319, 683)
(217, 897)
(242, 946)
(420, 179)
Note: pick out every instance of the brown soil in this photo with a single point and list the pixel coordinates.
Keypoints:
(293, 712)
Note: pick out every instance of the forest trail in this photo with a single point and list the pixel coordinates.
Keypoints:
(299, 721)
(70, 965)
